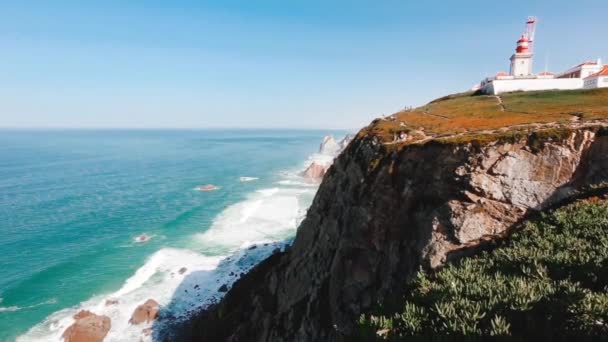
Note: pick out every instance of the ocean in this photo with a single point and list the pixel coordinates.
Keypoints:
(74, 205)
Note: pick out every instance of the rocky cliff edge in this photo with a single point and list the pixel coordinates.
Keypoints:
(395, 201)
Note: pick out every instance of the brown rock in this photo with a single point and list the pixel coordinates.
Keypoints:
(146, 312)
(315, 171)
(83, 314)
(111, 302)
(88, 327)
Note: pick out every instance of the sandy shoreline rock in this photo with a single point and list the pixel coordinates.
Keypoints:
(111, 302)
(147, 312)
(88, 327)
(315, 171)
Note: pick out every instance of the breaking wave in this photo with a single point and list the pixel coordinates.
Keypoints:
(184, 281)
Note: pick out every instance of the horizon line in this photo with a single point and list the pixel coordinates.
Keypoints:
(106, 128)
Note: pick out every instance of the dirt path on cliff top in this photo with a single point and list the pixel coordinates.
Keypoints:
(467, 116)
(575, 124)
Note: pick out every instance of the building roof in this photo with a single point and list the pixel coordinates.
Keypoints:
(585, 63)
(603, 72)
(578, 67)
(502, 73)
(546, 73)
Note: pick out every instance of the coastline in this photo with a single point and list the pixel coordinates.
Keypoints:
(276, 211)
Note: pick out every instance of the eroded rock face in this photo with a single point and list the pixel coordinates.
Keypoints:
(329, 146)
(380, 215)
(88, 327)
(315, 171)
(147, 312)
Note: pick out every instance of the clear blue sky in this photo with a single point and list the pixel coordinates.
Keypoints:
(302, 64)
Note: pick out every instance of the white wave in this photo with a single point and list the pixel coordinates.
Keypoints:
(158, 278)
(17, 308)
(248, 179)
(267, 214)
(182, 280)
(10, 308)
(290, 182)
(268, 192)
(264, 217)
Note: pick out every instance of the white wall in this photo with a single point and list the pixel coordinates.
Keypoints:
(596, 82)
(590, 83)
(504, 86)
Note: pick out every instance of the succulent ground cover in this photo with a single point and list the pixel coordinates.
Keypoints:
(550, 279)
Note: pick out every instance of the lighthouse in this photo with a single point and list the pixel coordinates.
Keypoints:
(521, 61)
(521, 77)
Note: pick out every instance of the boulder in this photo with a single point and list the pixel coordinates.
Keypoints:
(110, 302)
(315, 171)
(88, 327)
(146, 312)
(345, 141)
(329, 146)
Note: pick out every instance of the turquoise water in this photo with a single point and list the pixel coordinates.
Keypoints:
(72, 202)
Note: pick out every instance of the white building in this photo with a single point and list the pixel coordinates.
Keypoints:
(582, 70)
(598, 79)
(521, 77)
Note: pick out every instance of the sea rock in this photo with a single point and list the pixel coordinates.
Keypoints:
(182, 270)
(142, 238)
(88, 327)
(345, 141)
(207, 187)
(110, 302)
(223, 288)
(146, 312)
(329, 146)
(315, 171)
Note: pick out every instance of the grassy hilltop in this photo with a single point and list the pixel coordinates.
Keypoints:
(468, 115)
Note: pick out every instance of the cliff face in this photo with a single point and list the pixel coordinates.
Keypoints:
(383, 211)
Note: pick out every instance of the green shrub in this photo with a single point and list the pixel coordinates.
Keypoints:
(549, 279)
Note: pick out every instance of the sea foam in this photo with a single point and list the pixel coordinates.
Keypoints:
(184, 281)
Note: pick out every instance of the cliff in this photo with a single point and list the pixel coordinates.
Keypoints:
(417, 189)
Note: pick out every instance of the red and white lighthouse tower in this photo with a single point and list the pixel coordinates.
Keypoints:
(521, 61)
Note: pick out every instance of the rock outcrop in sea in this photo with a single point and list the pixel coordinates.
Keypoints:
(328, 150)
(145, 313)
(315, 171)
(385, 210)
(88, 327)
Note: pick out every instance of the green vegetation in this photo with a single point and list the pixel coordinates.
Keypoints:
(589, 104)
(549, 279)
(477, 114)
